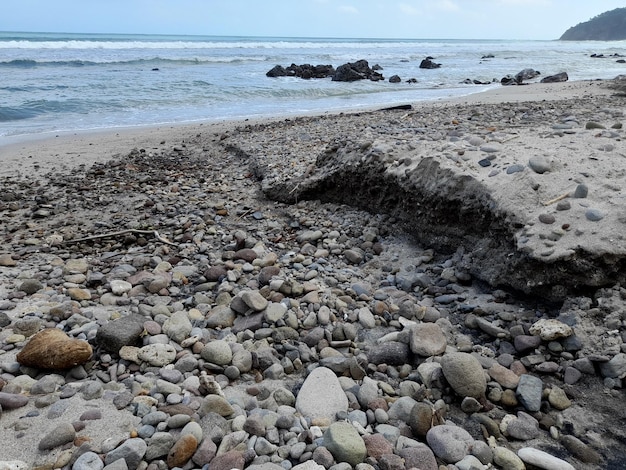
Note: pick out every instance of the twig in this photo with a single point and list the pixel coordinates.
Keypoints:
(122, 232)
(556, 199)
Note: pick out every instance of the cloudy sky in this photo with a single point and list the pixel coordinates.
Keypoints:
(454, 19)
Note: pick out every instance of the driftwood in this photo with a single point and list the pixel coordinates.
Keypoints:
(122, 232)
(556, 199)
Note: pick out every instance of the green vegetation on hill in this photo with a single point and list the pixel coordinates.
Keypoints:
(608, 26)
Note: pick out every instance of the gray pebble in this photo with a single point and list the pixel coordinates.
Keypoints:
(594, 215)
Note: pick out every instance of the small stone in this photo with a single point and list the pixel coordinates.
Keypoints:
(120, 287)
(547, 219)
(614, 368)
(353, 256)
(131, 451)
(178, 326)
(427, 339)
(594, 215)
(125, 331)
(230, 460)
(593, 125)
(254, 300)
(7, 260)
(217, 352)
(558, 399)
(53, 349)
(470, 405)
(87, 461)
(450, 443)
(246, 254)
(78, 294)
(390, 353)
(523, 427)
(529, 392)
(539, 164)
(60, 435)
(419, 455)
(542, 459)
(571, 375)
(215, 404)
(581, 191)
(517, 168)
(345, 443)
(491, 148)
(550, 329)
(505, 377)
(464, 374)
(321, 396)
(421, 419)
(182, 450)
(157, 354)
(11, 401)
(563, 206)
(580, 450)
(30, 286)
(506, 458)
(377, 445)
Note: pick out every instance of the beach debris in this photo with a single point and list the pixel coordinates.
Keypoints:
(52, 348)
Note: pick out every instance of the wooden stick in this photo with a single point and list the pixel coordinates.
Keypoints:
(122, 232)
(556, 199)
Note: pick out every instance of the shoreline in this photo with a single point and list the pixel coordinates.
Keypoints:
(91, 146)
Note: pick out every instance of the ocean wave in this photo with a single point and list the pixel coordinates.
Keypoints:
(250, 44)
(152, 61)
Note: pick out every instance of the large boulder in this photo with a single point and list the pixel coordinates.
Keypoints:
(428, 63)
(353, 71)
(559, 77)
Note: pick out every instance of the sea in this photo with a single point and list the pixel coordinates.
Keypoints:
(54, 82)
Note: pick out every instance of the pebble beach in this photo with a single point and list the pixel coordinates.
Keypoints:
(220, 298)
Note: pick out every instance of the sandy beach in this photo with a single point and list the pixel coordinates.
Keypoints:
(433, 287)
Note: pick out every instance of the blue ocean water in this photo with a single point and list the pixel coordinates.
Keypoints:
(51, 82)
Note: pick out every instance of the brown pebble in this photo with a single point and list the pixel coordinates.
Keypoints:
(182, 451)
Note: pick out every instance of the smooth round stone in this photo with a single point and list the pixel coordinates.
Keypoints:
(515, 169)
(547, 219)
(11, 401)
(563, 206)
(217, 352)
(542, 459)
(539, 164)
(120, 287)
(506, 458)
(465, 374)
(594, 215)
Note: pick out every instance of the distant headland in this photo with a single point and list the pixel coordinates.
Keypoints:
(608, 26)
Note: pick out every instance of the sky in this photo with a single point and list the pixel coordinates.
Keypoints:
(414, 19)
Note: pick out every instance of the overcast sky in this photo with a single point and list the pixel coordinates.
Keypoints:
(453, 19)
